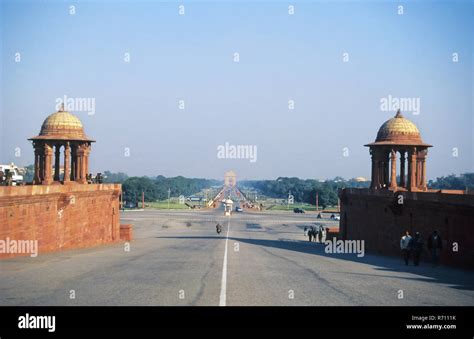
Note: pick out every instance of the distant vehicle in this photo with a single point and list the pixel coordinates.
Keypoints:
(298, 210)
(129, 204)
(194, 198)
(239, 209)
(17, 178)
(335, 217)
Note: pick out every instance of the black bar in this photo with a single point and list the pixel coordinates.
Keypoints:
(90, 319)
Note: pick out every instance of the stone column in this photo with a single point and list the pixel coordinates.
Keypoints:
(81, 168)
(67, 161)
(73, 162)
(402, 169)
(412, 169)
(38, 152)
(423, 172)
(373, 184)
(86, 159)
(385, 169)
(393, 171)
(48, 157)
(57, 162)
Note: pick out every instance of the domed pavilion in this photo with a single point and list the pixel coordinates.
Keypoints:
(61, 131)
(399, 135)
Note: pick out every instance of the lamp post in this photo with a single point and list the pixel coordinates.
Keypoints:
(169, 192)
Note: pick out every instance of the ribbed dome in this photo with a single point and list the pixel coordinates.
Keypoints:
(398, 129)
(62, 125)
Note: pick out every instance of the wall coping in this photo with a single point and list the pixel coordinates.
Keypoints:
(436, 196)
(32, 190)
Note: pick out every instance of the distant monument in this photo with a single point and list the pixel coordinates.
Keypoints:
(230, 179)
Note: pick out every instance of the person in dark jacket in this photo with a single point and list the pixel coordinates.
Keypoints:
(311, 233)
(405, 247)
(416, 247)
(435, 246)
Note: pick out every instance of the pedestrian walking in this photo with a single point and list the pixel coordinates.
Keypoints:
(416, 247)
(404, 247)
(435, 246)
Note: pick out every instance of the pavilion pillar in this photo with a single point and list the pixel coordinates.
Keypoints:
(393, 170)
(86, 160)
(412, 169)
(373, 182)
(386, 169)
(423, 172)
(73, 162)
(57, 162)
(81, 165)
(67, 163)
(38, 154)
(380, 173)
(48, 157)
(402, 169)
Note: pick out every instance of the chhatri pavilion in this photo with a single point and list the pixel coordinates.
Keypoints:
(62, 133)
(399, 136)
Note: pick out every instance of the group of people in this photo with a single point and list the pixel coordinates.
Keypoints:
(316, 232)
(413, 247)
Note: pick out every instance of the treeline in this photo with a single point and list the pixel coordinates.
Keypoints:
(303, 190)
(453, 182)
(157, 188)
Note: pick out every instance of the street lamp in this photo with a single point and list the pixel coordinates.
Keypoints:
(169, 192)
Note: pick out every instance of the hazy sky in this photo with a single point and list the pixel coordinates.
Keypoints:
(282, 57)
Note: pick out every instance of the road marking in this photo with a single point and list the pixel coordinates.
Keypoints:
(222, 298)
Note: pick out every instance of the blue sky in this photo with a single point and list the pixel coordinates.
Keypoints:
(282, 57)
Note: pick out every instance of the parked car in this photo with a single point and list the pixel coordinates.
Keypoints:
(238, 209)
(298, 210)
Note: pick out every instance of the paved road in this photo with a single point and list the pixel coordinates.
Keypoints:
(178, 259)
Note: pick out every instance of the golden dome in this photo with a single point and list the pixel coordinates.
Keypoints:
(62, 125)
(398, 131)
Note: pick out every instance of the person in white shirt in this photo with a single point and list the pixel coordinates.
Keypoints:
(404, 246)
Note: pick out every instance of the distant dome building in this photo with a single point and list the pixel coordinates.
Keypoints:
(61, 130)
(398, 135)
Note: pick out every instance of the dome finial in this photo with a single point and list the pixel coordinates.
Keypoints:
(61, 108)
(399, 114)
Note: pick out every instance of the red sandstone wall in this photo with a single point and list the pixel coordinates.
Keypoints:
(60, 217)
(376, 217)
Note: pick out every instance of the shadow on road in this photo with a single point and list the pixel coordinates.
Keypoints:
(455, 278)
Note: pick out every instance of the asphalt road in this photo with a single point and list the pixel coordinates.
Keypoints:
(177, 258)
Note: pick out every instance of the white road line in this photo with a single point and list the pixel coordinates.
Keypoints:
(222, 298)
